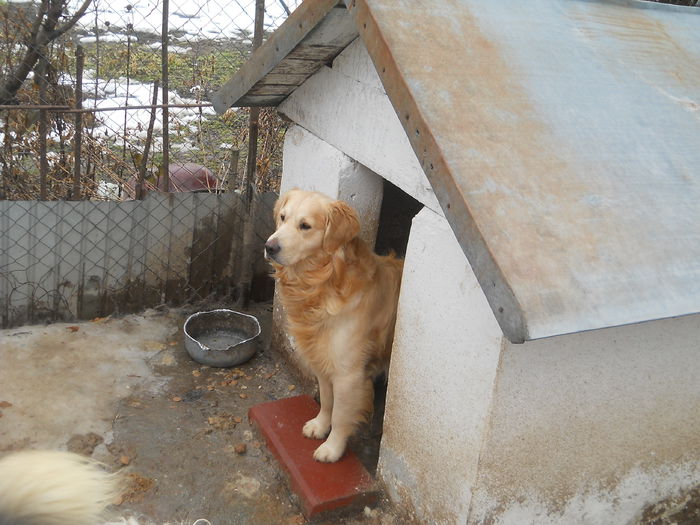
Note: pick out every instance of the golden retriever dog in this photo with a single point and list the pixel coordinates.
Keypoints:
(340, 300)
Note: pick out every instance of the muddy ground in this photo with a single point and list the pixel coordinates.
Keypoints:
(124, 390)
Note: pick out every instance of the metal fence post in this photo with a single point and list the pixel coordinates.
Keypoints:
(78, 133)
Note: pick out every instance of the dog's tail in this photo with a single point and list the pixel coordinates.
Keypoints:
(54, 488)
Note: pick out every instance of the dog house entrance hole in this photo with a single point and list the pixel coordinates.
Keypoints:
(395, 217)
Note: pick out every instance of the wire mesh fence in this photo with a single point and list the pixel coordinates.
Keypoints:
(63, 260)
(127, 60)
(108, 101)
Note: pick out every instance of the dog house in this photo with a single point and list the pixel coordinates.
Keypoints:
(547, 358)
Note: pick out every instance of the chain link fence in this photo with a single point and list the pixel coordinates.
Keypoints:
(107, 102)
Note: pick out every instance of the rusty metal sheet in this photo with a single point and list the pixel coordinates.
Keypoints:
(561, 139)
(315, 33)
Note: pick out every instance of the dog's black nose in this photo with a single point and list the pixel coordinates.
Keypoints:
(272, 247)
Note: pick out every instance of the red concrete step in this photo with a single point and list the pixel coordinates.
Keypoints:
(321, 487)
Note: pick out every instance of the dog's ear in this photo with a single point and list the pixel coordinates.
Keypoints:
(342, 225)
(280, 204)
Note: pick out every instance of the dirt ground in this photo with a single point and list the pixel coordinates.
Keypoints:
(124, 391)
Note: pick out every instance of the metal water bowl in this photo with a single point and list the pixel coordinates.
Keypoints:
(221, 337)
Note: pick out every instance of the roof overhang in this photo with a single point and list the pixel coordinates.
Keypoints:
(560, 138)
(312, 36)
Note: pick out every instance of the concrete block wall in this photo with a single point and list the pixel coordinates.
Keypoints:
(446, 349)
(592, 427)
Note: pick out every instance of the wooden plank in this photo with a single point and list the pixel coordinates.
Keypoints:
(295, 28)
(228, 223)
(68, 267)
(291, 78)
(325, 27)
(261, 100)
(116, 257)
(295, 66)
(182, 217)
(271, 89)
(319, 53)
(85, 259)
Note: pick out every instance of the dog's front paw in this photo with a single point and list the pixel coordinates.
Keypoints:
(327, 453)
(316, 429)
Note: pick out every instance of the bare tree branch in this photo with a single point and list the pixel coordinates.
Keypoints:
(43, 32)
(74, 19)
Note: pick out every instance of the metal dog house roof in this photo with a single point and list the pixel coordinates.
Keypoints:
(560, 138)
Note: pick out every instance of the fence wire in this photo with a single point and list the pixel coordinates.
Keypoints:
(82, 112)
(61, 260)
(120, 131)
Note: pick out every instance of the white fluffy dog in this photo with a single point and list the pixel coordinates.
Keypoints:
(40, 487)
(54, 488)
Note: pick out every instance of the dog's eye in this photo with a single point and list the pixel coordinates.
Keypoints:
(304, 226)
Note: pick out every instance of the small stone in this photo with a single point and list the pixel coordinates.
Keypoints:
(240, 448)
(291, 387)
(124, 459)
(243, 396)
(154, 346)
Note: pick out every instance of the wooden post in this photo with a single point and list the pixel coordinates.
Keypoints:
(248, 261)
(254, 118)
(232, 175)
(251, 161)
(164, 78)
(147, 147)
(78, 133)
(43, 131)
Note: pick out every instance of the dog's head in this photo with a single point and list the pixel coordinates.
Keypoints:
(308, 224)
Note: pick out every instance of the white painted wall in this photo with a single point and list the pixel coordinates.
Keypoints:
(587, 428)
(346, 107)
(591, 427)
(444, 361)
